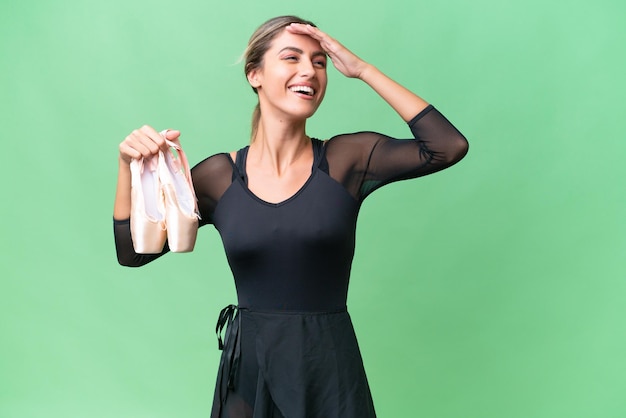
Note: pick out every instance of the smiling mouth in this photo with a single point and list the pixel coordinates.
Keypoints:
(306, 90)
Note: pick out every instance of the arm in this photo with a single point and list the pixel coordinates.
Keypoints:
(403, 101)
(437, 145)
(364, 161)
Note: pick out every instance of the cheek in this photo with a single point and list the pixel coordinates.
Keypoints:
(279, 78)
(323, 78)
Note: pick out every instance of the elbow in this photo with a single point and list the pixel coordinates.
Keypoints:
(134, 259)
(125, 261)
(458, 150)
(462, 147)
(129, 260)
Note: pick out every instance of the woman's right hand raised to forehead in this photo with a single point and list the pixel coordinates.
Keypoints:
(144, 142)
(344, 60)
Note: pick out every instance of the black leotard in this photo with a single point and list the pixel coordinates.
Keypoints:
(294, 258)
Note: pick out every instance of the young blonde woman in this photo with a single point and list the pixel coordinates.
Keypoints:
(286, 209)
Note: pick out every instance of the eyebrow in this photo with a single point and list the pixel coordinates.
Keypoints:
(299, 51)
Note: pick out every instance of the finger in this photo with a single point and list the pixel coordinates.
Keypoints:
(298, 28)
(152, 135)
(330, 45)
(130, 149)
(172, 134)
(302, 29)
(145, 144)
(128, 153)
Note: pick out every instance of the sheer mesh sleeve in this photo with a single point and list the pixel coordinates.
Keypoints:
(364, 161)
(211, 177)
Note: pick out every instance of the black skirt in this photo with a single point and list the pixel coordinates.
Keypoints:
(290, 365)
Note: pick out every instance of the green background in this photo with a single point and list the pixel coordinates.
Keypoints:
(493, 289)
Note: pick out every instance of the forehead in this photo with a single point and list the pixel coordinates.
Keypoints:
(288, 39)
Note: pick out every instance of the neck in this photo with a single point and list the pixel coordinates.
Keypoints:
(278, 143)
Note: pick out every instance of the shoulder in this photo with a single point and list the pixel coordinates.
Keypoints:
(356, 138)
(213, 164)
(215, 159)
(356, 142)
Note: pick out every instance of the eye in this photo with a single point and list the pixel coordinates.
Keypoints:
(291, 58)
(320, 63)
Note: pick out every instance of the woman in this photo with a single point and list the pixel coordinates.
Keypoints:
(286, 209)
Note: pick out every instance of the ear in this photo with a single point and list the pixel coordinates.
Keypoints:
(254, 78)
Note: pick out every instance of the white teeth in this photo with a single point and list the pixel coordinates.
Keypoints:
(303, 89)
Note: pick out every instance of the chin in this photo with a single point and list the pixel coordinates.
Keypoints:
(299, 114)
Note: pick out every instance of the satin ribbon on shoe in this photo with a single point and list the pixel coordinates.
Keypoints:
(181, 205)
(147, 213)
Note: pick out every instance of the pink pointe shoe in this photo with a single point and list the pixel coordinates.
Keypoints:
(147, 213)
(181, 207)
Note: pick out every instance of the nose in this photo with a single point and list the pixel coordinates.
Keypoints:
(306, 69)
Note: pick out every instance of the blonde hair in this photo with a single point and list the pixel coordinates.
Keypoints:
(259, 43)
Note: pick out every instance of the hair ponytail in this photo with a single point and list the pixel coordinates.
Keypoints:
(256, 117)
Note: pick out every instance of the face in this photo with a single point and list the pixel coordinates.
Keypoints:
(292, 78)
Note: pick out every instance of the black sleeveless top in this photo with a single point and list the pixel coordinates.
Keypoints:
(294, 255)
